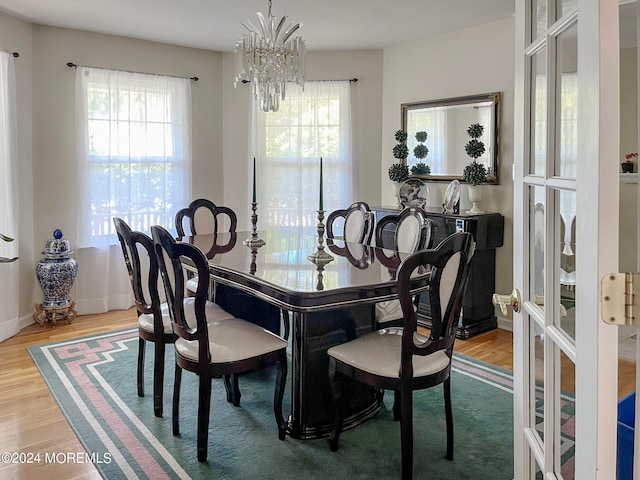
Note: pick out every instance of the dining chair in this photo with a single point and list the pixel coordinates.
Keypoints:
(154, 324)
(410, 230)
(356, 223)
(203, 217)
(402, 359)
(210, 347)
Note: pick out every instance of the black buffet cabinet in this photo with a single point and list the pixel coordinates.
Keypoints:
(478, 313)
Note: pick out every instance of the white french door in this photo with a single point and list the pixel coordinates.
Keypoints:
(565, 237)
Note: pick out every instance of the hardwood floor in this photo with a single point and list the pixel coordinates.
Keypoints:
(496, 347)
(31, 421)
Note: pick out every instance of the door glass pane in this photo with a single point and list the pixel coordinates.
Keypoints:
(538, 18)
(536, 243)
(566, 266)
(565, 6)
(538, 147)
(567, 103)
(537, 386)
(564, 455)
(537, 471)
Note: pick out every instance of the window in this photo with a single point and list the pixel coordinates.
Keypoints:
(434, 122)
(134, 151)
(311, 123)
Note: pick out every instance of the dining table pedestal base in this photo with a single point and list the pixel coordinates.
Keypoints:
(313, 333)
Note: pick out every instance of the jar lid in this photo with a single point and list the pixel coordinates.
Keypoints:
(56, 246)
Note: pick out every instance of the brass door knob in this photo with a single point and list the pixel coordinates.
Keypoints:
(513, 299)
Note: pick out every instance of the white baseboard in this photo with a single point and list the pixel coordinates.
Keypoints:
(505, 324)
(25, 321)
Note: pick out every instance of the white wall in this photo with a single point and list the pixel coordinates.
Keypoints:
(366, 100)
(467, 62)
(478, 60)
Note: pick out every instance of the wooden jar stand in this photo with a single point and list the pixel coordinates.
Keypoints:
(53, 314)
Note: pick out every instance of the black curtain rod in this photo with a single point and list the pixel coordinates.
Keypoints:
(350, 80)
(74, 65)
(15, 54)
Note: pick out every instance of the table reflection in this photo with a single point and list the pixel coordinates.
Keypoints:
(213, 244)
(360, 256)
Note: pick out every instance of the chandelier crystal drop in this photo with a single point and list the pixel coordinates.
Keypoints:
(269, 57)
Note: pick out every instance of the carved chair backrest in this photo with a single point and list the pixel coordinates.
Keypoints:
(204, 216)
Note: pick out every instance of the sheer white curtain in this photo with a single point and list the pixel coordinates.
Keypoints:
(434, 122)
(9, 274)
(311, 123)
(483, 117)
(134, 161)
(568, 140)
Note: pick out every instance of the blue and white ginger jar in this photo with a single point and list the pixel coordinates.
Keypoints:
(56, 272)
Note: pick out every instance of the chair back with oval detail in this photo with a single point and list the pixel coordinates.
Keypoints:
(153, 319)
(204, 216)
(412, 231)
(357, 223)
(403, 359)
(211, 342)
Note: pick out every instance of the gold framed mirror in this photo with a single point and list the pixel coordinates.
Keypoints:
(446, 122)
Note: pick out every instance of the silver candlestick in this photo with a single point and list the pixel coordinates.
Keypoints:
(254, 241)
(320, 257)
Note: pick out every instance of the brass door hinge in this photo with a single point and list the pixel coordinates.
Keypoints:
(618, 300)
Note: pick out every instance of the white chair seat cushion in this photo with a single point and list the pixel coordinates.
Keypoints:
(145, 321)
(232, 340)
(192, 284)
(214, 313)
(379, 353)
(387, 311)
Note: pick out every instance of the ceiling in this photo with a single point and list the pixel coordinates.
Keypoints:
(327, 24)
(215, 24)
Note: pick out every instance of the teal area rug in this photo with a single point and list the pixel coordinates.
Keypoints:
(94, 381)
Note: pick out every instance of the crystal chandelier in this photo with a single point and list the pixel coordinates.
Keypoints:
(269, 58)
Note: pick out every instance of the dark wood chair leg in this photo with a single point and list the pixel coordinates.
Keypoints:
(406, 430)
(336, 395)
(141, 346)
(235, 390)
(232, 388)
(449, 416)
(204, 405)
(380, 394)
(176, 401)
(281, 381)
(158, 377)
(228, 388)
(397, 402)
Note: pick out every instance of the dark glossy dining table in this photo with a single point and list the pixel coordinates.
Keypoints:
(329, 305)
